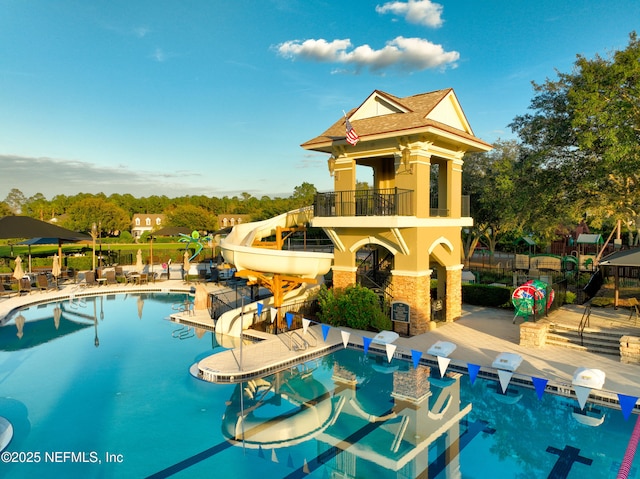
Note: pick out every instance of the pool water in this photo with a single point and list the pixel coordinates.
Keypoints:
(104, 391)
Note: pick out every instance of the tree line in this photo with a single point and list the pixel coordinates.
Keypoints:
(113, 213)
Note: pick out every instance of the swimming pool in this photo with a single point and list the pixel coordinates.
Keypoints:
(104, 391)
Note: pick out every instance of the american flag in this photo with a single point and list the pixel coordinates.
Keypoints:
(352, 137)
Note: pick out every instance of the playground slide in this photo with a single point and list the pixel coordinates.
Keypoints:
(239, 248)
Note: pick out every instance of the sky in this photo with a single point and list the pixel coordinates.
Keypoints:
(214, 97)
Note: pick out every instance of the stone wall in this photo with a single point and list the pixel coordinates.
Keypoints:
(630, 349)
(415, 291)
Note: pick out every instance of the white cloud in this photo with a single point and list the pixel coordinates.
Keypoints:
(421, 12)
(407, 54)
(159, 55)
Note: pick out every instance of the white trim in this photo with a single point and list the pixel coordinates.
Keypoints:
(455, 267)
(412, 274)
(389, 222)
(372, 239)
(441, 241)
(345, 269)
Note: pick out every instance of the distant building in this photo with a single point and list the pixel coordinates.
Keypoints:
(228, 220)
(146, 222)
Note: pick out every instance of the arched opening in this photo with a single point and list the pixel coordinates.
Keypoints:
(374, 265)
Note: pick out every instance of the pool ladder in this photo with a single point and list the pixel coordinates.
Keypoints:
(183, 332)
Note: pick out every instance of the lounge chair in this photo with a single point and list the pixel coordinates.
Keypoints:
(24, 286)
(120, 276)
(89, 279)
(43, 283)
(111, 277)
(7, 291)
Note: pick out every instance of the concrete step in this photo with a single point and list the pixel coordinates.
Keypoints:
(593, 339)
(589, 348)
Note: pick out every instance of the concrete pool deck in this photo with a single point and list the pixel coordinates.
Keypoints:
(480, 335)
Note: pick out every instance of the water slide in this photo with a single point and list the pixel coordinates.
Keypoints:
(242, 248)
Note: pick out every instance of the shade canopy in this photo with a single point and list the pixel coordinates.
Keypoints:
(40, 232)
(172, 231)
(629, 257)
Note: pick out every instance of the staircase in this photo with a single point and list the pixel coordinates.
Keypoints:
(593, 340)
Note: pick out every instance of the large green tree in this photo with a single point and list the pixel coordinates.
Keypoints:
(493, 183)
(582, 139)
(108, 217)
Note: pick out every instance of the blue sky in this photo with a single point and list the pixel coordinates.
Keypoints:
(214, 97)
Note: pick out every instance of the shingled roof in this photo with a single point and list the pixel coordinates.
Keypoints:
(385, 115)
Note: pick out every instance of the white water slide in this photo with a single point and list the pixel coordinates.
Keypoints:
(240, 249)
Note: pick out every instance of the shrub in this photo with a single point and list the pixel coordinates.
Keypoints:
(569, 297)
(354, 306)
(484, 295)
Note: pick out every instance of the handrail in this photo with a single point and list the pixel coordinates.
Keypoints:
(299, 345)
(584, 322)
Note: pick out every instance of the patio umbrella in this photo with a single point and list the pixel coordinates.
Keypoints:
(186, 265)
(55, 267)
(139, 266)
(18, 273)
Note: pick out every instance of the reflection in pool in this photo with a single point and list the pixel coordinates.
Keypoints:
(110, 375)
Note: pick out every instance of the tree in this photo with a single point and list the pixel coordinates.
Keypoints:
(108, 217)
(190, 216)
(5, 209)
(303, 195)
(582, 141)
(492, 181)
(16, 200)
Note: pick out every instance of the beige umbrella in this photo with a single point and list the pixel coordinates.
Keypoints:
(186, 265)
(139, 266)
(20, 325)
(18, 273)
(140, 306)
(57, 312)
(55, 267)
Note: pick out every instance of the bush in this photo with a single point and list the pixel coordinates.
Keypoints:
(569, 297)
(484, 295)
(354, 306)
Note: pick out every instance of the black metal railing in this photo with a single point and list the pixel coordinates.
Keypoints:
(381, 202)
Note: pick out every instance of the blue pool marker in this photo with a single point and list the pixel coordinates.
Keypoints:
(627, 403)
(325, 331)
(416, 355)
(540, 384)
(289, 317)
(473, 371)
(367, 342)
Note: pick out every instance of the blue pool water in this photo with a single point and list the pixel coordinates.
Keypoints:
(107, 393)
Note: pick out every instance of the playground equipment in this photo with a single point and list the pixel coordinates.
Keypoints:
(532, 298)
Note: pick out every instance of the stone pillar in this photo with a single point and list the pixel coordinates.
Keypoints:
(415, 291)
(454, 293)
(343, 277)
(533, 335)
(630, 349)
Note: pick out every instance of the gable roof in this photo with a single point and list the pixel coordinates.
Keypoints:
(384, 115)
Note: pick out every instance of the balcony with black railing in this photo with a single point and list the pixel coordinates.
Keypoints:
(376, 202)
(380, 202)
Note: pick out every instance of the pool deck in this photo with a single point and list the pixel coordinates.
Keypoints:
(480, 335)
